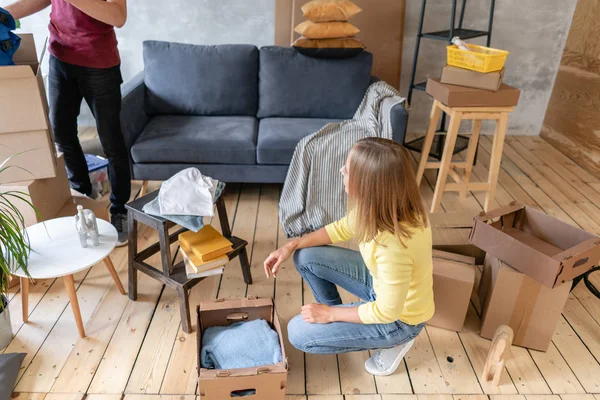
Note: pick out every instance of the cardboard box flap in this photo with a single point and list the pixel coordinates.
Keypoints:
(16, 72)
(577, 260)
(454, 270)
(499, 212)
(26, 54)
(445, 255)
(20, 101)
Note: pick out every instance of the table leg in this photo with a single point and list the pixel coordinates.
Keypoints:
(184, 309)
(70, 285)
(436, 112)
(132, 251)
(451, 136)
(496, 159)
(113, 273)
(470, 158)
(25, 298)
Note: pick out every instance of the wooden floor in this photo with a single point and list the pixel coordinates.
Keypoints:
(137, 348)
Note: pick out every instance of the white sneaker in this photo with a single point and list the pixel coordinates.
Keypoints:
(386, 361)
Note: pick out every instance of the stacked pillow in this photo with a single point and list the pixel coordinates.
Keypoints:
(327, 32)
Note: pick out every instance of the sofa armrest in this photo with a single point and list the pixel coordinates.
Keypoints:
(133, 114)
(399, 121)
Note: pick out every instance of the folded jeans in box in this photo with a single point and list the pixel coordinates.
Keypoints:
(545, 248)
(509, 297)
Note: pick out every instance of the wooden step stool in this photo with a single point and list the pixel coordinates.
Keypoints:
(447, 167)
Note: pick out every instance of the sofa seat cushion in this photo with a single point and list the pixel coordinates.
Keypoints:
(198, 140)
(278, 137)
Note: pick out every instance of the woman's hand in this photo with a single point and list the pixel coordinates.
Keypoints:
(317, 313)
(276, 258)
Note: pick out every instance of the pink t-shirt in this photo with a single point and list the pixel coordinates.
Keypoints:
(78, 39)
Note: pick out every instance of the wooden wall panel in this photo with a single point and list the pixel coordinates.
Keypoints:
(572, 122)
(382, 30)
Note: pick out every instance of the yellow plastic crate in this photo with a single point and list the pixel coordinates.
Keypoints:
(483, 59)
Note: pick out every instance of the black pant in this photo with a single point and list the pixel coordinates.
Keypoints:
(101, 89)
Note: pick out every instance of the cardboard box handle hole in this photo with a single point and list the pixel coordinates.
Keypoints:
(581, 262)
(243, 393)
(237, 316)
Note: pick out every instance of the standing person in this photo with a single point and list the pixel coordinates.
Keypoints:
(85, 64)
(392, 273)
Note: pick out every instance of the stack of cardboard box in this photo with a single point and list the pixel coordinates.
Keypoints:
(27, 143)
(531, 261)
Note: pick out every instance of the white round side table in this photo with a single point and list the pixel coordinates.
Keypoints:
(56, 252)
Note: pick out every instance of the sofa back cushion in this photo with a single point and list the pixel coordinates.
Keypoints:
(293, 85)
(190, 79)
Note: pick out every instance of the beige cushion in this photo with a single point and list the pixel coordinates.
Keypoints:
(329, 10)
(340, 43)
(326, 30)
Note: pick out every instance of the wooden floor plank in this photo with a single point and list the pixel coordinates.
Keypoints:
(587, 298)
(322, 375)
(595, 186)
(577, 397)
(584, 324)
(118, 360)
(28, 396)
(542, 397)
(289, 298)
(151, 364)
(362, 397)
(556, 371)
(453, 361)
(566, 161)
(584, 365)
(104, 397)
(80, 367)
(158, 397)
(64, 396)
(37, 291)
(477, 349)
(470, 397)
(244, 224)
(508, 397)
(423, 368)
(544, 154)
(541, 173)
(53, 353)
(399, 397)
(181, 376)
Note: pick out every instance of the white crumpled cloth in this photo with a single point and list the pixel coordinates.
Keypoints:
(188, 193)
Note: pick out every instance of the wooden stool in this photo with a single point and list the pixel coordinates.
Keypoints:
(447, 167)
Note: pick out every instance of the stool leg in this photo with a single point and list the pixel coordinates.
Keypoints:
(245, 264)
(70, 285)
(496, 159)
(434, 117)
(473, 142)
(451, 136)
(113, 273)
(184, 309)
(25, 298)
(132, 250)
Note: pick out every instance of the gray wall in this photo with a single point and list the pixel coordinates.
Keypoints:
(533, 31)
(188, 21)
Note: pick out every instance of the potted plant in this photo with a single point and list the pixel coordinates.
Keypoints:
(14, 250)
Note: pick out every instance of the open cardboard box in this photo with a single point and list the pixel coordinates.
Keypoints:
(268, 381)
(24, 125)
(69, 209)
(545, 248)
(509, 297)
(450, 232)
(453, 280)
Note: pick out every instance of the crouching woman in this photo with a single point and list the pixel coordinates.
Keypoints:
(392, 273)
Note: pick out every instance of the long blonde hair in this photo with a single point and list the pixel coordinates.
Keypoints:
(383, 192)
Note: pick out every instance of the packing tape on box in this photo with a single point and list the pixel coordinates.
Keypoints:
(524, 305)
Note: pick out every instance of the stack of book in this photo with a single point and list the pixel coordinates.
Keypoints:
(204, 252)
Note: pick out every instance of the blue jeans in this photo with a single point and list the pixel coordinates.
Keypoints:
(325, 268)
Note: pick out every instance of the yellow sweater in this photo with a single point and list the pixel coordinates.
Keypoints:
(402, 276)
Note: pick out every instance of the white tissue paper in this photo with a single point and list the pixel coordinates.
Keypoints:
(188, 193)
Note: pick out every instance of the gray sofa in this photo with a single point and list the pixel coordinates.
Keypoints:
(234, 111)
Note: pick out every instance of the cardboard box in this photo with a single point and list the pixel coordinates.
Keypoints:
(451, 231)
(545, 248)
(453, 280)
(473, 79)
(461, 96)
(48, 196)
(511, 298)
(268, 381)
(25, 128)
(100, 208)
